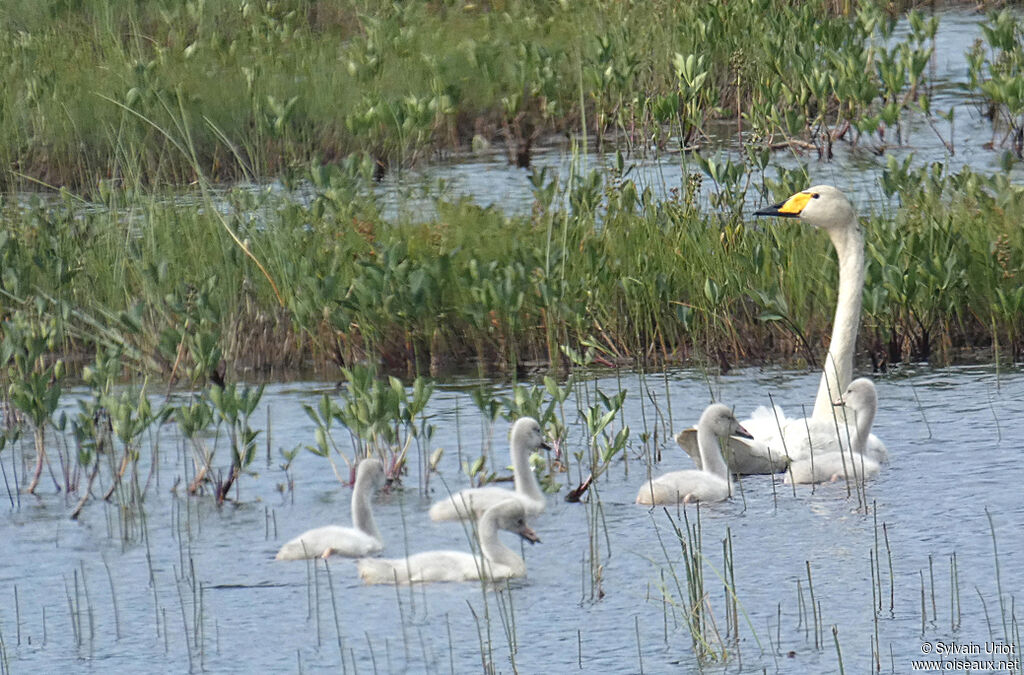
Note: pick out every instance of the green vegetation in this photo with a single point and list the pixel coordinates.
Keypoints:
(609, 267)
(118, 100)
(115, 99)
(154, 92)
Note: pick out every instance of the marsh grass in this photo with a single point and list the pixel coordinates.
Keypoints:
(839, 652)
(259, 88)
(4, 663)
(640, 279)
(692, 603)
(263, 282)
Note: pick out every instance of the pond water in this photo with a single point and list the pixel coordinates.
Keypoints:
(196, 587)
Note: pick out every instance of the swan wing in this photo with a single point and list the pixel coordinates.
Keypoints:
(743, 455)
(344, 541)
(766, 424)
(472, 503)
(687, 440)
(382, 571)
(803, 436)
(427, 567)
(876, 450)
(831, 466)
(676, 486)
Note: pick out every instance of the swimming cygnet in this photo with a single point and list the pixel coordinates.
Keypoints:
(525, 438)
(496, 562)
(352, 542)
(862, 399)
(710, 483)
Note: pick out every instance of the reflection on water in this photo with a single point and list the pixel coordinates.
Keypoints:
(955, 462)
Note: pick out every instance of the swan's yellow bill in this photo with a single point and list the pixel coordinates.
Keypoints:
(795, 204)
(791, 208)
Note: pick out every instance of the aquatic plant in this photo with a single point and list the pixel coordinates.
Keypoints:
(233, 406)
(995, 73)
(33, 381)
(605, 443)
(382, 417)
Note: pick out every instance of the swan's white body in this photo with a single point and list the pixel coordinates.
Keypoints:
(852, 462)
(825, 207)
(806, 435)
(832, 466)
(352, 542)
(711, 483)
(526, 437)
(496, 562)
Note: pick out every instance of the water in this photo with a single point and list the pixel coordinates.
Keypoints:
(954, 462)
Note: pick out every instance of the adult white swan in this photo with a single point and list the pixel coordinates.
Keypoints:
(496, 562)
(862, 399)
(825, 207)
(351, 542)
(711, 483)
(526, 437)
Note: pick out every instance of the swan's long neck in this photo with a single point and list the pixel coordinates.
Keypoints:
(493, 550)
(525, 480)
(711, 452)
(838, 368)
(362, 513)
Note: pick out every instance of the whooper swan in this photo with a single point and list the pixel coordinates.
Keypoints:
(778, 439)
(496, 562)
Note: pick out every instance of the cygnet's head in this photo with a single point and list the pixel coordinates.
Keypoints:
(371, 469)
(861, 395)
(822, 206)
(526, 432)
(720, 420)
(510, 515)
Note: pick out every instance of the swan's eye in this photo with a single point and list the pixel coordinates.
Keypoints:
(815, 195)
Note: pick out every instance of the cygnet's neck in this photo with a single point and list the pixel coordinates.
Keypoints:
(865, 418)
(711, 452)
(524, 480)
(493, 550)
(838, 367)
(362, 513)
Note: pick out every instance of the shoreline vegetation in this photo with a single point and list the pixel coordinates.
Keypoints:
(148, 94)
(139, 111)
(203, 289)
